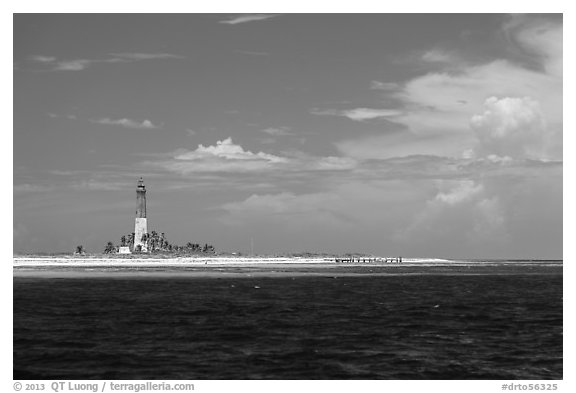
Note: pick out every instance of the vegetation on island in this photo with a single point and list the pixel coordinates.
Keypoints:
(157, 244)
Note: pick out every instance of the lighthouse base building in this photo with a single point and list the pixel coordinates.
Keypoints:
(141, 222)
(140, 229)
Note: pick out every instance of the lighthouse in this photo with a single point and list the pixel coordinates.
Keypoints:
(141, 224)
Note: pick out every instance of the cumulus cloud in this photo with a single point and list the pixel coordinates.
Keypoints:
(462, 213)
(512, 127)
(227, 149)
(439, 104)
(300, 219)
(516, 216)
(282, 203)
(247, 18)
(225, 156)
(461, 192)
(540, 36)
(326, 218)
(359, 114)
(345, 207)
(228, 157)
(446, 100)
(127, 123)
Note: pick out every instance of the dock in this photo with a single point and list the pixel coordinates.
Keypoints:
(368, 260)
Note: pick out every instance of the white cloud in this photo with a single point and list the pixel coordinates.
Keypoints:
(227, 157)
(43, 59)
(127, 123)
(82, 64)
(461, 192)
(401, 144)
(97, 185)
(145, 56)
(227, 149)
(30, 188)
(247, 18)
(513, 127)
(376, 85)
(490, 221)
(446, 100)
(504, 160)
(437, 56)
(282, 203)
(277, 131)
(462, 213)
(359, 114)
(440, 104)
(336, 212)
(333, 163)
(540, 36)
(73, 65)
(56, 116)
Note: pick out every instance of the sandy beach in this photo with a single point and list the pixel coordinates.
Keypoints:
(219, 262)
(220, 267)
(39, 261)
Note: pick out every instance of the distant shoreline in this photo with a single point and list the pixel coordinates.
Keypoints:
(184, 261)
(225, 267)
(101, 261)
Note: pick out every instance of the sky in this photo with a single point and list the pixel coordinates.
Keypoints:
(421, 135)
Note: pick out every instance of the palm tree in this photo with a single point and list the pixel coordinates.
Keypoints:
(79, 249)
(154, 240)
(131, 241)
(163, 241)
(145, 240)
(123, 241)
(109, 248)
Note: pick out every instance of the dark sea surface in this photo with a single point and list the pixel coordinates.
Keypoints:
(479, 322)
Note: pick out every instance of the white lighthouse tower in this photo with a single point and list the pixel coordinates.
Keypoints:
(141, 224)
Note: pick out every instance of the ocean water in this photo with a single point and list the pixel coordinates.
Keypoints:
(490, 322)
